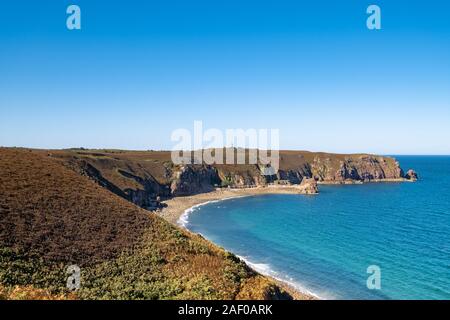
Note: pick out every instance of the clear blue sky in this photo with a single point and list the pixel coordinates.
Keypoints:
(139, 69)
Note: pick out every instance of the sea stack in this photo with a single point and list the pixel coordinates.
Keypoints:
(411, 175)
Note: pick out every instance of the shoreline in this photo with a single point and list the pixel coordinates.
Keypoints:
(179, 208)
(178, 205)
(351, 182)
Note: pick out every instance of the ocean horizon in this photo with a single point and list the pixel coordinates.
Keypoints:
(323, 244)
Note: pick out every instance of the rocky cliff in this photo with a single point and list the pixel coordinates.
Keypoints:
(308, 186)
(360, 168)
(187, 180)
(147, 177)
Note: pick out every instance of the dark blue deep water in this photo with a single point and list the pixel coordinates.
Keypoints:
(325, 243)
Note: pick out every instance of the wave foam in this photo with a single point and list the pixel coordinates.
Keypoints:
(183, 220)
(266, 269)
(263, 268)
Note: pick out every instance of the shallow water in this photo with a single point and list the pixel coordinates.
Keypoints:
(325, 243)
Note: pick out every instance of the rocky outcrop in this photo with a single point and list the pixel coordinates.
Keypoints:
(328, 168)
(411, 175)
(362, 168)
(294, 176)
(190, 179)
(147, 196)
(308, 186)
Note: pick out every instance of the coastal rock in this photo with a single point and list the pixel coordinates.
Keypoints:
(355, 168)
(294, 177)
(241, 176)
(147, 193)
(190, 179)
(308, 186)
(411, 175)
(145, 190)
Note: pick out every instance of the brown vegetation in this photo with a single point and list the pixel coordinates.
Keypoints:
(51, 211)
(31, 293)
(51, 217)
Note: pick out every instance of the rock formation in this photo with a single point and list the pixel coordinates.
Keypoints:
(411, 175)
(190, 179)
(308, 186)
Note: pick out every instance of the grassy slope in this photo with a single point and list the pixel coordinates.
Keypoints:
(51, 217)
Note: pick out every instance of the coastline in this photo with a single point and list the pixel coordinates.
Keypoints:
(179, 208)
(349, 182)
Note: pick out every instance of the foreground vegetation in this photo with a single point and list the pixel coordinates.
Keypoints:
(52, 217)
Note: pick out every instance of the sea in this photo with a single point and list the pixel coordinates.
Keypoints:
(370, 241)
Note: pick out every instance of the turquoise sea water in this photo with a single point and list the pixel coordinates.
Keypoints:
(325, 243)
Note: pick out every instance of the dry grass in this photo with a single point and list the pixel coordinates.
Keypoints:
(51, 211)
(32, 293)
(51, 217)
(260, 288)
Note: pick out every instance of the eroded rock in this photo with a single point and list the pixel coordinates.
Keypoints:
(411, 175)
(308, 186)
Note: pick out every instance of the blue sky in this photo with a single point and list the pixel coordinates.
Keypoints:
(140, 69)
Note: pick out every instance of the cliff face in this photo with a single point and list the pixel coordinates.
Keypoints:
(361, 168)
(189, 180)
(147, 177)
(330, 168)
(142, 190)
